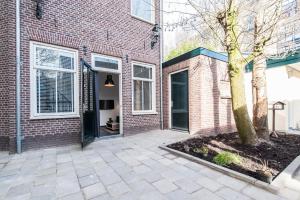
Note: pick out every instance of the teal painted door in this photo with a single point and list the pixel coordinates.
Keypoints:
(179, 101)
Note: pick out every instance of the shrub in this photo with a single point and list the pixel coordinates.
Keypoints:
(227, 158)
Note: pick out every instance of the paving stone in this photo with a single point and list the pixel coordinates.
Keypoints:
(179, 194)
(172, 175)
(64, 158)
(181, 160)
(85, 172)
(205, 194)
(88, 180)
(187, 185)
(154, 195)
(259, 194)
(165, 186)
(210, 173)
(20, 197)
(110, 178)
(170, 156)
(166, 161)
(131, 177)
(93, 191)
(209, 184)
(118, 189)
(290, 194)
(229, 194)
(141, 169)
(233, 183)
(66, 186)
(76, 196)
(151, 176)
(43, 191)
(18, 190)
(141, 187)
(194, 166)
(103, 197)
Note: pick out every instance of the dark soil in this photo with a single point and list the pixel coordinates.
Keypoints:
(278, 153)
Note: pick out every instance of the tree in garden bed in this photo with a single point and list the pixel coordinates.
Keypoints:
(227, 21)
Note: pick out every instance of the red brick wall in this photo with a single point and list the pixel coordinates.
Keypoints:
(209, 112)
(105, 27)
(7, 72)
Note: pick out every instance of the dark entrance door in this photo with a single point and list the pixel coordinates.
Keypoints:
(89, 104)
(179, 101)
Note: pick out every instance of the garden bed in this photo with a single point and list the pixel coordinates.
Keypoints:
(260, 161)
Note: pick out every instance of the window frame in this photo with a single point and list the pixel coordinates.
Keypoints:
(153, 92)
(152, 21)
(33, 78)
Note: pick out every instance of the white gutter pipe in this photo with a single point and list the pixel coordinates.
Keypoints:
(18, 78)
(161, 61)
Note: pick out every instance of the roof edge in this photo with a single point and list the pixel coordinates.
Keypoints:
(193, 53)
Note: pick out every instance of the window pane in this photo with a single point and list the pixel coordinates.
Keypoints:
(66, 62)
(142, 9)
(106, 63)
(46, 95)
(54, 58)
(65, 92)
(137, 95)
(142, 72)
(147, 95)
(46, 57)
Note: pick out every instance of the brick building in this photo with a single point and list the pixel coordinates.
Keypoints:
(114, 37)
(196, 93)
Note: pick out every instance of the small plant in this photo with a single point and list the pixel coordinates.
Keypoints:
(226, 158)
(203, 150)
(265, 172)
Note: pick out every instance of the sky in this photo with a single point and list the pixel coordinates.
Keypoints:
(173, 37)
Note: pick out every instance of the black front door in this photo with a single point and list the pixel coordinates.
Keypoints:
(179, 101)
(89, 104)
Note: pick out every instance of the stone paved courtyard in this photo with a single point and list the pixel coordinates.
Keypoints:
(128, 168)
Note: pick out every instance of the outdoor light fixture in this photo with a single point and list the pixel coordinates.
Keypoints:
(109, 82)
(155, 36)
(39, 9)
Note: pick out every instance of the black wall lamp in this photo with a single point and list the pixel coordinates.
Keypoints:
(155, 35)
(39, 9)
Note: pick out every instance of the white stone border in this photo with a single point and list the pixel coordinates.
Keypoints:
(285, 178)
(229, 172)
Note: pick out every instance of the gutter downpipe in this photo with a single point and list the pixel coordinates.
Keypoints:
(161, 62)
(18, 77)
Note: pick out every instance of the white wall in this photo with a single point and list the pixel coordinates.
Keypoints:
(280, 88)
(109, 93)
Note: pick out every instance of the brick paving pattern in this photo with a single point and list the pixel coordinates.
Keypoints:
(132, 168)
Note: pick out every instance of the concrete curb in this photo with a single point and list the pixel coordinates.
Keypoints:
(229, 172)
(285, 178)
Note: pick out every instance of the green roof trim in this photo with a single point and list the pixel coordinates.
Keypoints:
(271, 63)
(194, 53)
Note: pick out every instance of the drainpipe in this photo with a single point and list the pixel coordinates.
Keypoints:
(161, 61)
(18, 77)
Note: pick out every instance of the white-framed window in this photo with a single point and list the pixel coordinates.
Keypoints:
(143, 88)
(143, 9)
(54, 81)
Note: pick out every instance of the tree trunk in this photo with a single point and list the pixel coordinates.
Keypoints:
(239, 105)
(260, 100)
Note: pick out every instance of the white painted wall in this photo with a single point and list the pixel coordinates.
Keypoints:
(280, 88)
(109, 93)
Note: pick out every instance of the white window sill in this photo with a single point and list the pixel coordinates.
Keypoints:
(144, 113)
(143, 20)
(55, 116)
